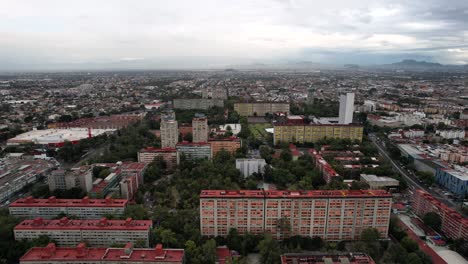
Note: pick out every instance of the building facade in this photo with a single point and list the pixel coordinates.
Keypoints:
(100, 233)
(81, 177)
(231, 145)
(328, 173)
(248, 167)
(455, 180)
(260, 109)
(310, 133)
(451, 134)
(197, 103)
(346, 109)
(200, 129)
(84, 208)
(168, 155)
(454, 225)
(193, 151)
(332, 215)
(169, 133)
(80, 254)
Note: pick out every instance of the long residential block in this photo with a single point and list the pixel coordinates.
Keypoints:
(310, 133)
(260, 108)
(103, 232)
(197, 103)
(84, 208)
(332, 215)
(454, 225)
(51, 254)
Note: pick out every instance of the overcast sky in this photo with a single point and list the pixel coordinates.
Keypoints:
(67, 34)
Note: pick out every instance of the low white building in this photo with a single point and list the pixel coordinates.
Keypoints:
(377, 183)
(235, 128)
(451, 134)
(413, 133)
(248, 167)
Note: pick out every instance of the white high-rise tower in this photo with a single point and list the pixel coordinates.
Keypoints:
(346, 108)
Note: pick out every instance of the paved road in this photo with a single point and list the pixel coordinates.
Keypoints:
(411, 181)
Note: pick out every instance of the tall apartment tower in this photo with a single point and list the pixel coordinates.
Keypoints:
(310, 96)
(200, 129)
(169, 132)
(346, 108)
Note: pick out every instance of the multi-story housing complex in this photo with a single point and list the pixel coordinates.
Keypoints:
(451, 134)
(18, 172)
(454, 179)
(248, 167)
(129, 186)
(200, 129)
(314, 132)
(326, 257)
(51, 254)
(332, 215)
(464, 115)
(102, 232)
(260, 108)
(133, 168)
(328, 173)
(150, 154)
(124, 179)
(197, 103)
(454, 225)
(81, 177)
(169, 132)
(192, 151)
(412, 133)
(230, 144)
(84, 208)
(346, 108)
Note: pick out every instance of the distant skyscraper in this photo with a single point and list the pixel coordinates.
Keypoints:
(169, 132)
(346, 108)
(200, 129)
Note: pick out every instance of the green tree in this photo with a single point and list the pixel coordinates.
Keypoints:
(269, 250)
(40, 191)
(209, 251)
(409, 244)
(432, 219)
(395, 254)
(136, 212)
(286, 155)
(413, 258)
(234, 240)
(370, 235)
(167, 237)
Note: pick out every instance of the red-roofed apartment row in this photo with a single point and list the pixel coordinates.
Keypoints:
(332, 215)
(101, 232)
(329, 258)
(82, 254)
(454, 225)
(85, 208)
(324, 167)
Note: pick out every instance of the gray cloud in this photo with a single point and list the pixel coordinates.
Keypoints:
(53, 33)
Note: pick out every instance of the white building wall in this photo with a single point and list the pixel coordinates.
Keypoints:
(346, 108)
(248, 167)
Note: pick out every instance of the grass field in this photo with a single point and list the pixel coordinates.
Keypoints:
(258, 130)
